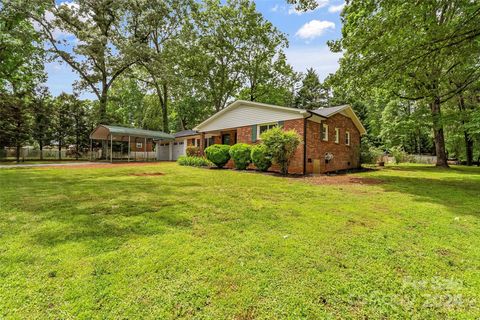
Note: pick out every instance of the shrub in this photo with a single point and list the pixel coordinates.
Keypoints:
(369, 154)
(281, 145)
(240, 154)
(218, 154)
(261, 158)
(193, 161)
(193, 151)
(399, 155)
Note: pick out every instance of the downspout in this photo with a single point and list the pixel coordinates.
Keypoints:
(305, 142)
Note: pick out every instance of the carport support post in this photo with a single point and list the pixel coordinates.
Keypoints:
(128, 148)
(145, 150)
(111, 148)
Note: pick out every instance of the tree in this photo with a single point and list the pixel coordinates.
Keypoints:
(63, 121)
(21, 58)
(15, 121)
(93, 39)
(413, 49)
(311, 94)
(162, 21)
(42, 118)
(82, 125)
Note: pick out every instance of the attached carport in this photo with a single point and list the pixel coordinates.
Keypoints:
(141, 140)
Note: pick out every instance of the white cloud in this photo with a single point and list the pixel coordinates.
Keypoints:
(319, 58)
(314, 28)
(338, 8)
(274, 8)
(320, 4)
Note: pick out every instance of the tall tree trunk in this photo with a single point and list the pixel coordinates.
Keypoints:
(438, 134)
(468, 139)
(59, 149)
(18, 147)
(102, 109)
(165, 108)
(40, 143)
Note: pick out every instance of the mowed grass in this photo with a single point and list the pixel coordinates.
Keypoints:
(220, 244)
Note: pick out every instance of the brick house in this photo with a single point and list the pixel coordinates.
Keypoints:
(330, 136)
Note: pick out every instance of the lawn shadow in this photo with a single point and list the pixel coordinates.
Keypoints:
(458, 191)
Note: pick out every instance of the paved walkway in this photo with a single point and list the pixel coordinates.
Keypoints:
(6, 166)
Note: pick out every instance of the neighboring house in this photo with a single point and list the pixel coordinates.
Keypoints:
(330, 136)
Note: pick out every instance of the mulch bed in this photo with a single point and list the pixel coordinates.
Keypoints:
(341, 180)
(102, 165)
(147, 174)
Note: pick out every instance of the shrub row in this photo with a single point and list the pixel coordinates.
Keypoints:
(278, 146)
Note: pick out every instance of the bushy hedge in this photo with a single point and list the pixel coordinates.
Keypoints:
(260, 157)
(218, 154)
(240, 154)
(193, 151)
(281, 145)
(193, 161)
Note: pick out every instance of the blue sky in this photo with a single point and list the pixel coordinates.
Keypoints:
(307, 33)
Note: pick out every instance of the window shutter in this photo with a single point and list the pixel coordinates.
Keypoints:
(281, 123)
(254, 133)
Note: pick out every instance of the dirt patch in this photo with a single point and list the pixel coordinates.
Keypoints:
(342, 180)
(147, 174)
(103, 165)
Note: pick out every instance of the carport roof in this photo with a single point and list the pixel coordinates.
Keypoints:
(102, 132)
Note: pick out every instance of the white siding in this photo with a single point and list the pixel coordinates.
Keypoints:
(245, 115)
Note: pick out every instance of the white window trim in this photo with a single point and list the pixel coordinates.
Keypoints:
(325, 126)
(337, 135)
(139, 145)
(347, 136)
(264, 124)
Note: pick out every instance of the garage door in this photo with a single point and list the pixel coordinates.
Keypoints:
(177, 150)
(163, 151)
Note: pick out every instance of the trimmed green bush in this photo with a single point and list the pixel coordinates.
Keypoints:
(260, 157)
(193, 161)
(193, 151)
(218, 154)
(240, 154)
(281, 145)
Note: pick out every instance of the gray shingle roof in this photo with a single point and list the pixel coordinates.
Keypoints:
(115, 130)
(327, 112)
(185, 133)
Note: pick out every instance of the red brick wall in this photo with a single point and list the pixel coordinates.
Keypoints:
(344, 157)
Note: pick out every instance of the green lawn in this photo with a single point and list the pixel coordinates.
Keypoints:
(220, 244)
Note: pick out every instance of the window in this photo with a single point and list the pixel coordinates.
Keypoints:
(325, 132)
(264, 127)
(347, 138)
(139, 145)
(337, 135)
(226, 138)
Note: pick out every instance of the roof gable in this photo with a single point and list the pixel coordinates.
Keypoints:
(346, 110)
(243, 113)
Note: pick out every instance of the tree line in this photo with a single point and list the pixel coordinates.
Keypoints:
(410, 70)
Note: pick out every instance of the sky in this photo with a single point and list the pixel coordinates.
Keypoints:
(307, 33)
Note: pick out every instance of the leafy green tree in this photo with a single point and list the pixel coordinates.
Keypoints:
(424, 51)
(15, 121)
(311, 95)
(162, 21)
(63, 120)
(21, 56)
(92, 37)
(42, 109)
